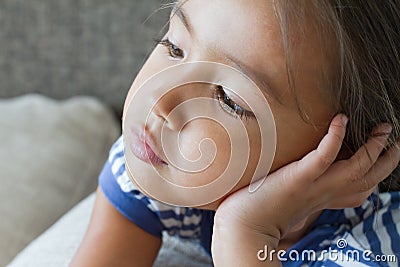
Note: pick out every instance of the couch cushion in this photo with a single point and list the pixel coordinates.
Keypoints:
(50, 157)
(58, 244)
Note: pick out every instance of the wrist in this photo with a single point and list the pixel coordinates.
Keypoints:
(231, 222)
(237, 244)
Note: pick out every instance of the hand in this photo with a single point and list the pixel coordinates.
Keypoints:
(291, 194)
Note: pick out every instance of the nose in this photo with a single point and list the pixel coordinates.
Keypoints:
(171, 107)
(163, 108)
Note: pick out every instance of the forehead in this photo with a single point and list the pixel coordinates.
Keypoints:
(250, 31)
(226, 25)
(235, 31)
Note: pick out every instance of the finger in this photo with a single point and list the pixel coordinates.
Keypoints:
(354, 200)
(366, 156)
(383, 167)
(355, 193)
(317, 162)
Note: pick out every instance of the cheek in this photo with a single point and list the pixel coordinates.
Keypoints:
(296, 137)
(255, 144)
(206, 141)
(253, 156)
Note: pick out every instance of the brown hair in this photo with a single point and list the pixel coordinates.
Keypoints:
(366, 82)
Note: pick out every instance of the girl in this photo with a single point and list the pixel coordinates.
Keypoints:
(325, 192)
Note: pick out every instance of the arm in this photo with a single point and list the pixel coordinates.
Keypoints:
(112, 240)
(245, 223)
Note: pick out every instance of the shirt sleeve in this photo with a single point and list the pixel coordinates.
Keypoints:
(149, 214)
(124, 196)
(379, 229)
(363, 236)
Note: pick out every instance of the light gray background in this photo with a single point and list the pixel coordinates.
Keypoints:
(63, 48)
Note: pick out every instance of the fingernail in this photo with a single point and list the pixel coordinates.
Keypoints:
(344, 120)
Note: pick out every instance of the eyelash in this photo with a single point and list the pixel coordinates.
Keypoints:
(172, 48)
(226, 103)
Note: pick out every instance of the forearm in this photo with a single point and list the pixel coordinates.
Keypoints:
(112, 240)
(234, 245)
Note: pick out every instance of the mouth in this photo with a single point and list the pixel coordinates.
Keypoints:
(143, 147)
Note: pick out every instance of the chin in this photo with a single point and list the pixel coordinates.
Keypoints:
(213, 205)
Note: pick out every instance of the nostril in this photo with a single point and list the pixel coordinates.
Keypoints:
(160, 116)
(164, 108)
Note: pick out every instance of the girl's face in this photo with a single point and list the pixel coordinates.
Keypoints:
(235, 33)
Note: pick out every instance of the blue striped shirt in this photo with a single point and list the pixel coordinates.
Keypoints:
(363, 236)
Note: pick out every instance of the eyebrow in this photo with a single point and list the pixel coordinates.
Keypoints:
(177, 9)
(256, 76)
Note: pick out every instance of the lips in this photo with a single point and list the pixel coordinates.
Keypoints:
(142, 146)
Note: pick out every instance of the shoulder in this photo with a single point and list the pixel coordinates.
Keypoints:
(363, 236)
(376, 227)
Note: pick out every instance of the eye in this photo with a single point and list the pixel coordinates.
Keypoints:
(173, 50)
(229, 105)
